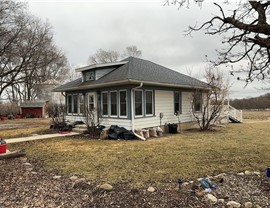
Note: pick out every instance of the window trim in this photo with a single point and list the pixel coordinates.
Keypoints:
(79, 103)
(200, 101)
(70, 113)
(105, 115)
(152, 92)
(110, 107)
(142, 115)
(119, 105)
(180, 110)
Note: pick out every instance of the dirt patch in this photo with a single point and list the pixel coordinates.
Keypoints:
(27, 184)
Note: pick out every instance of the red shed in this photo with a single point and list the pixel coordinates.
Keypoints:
(34, 109)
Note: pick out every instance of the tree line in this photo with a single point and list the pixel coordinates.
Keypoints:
(261, 102)
(28, 54)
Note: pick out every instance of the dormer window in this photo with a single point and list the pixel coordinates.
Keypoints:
(89, 76)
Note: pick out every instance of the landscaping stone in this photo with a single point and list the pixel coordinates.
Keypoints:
(106, 187)
(200, 193)
(185, 184)
(256, 173)
(248, 173)
(29, 169)
(34, 173)
(27, 164)
(221, 175)
(56, 177)
(241, 174)
(151, 189)
(211, 199)
(233, 204)
(80, 183)
(73, 178)
(221, 201)
(248, 205)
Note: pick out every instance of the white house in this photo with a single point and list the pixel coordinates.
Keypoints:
(133, 93)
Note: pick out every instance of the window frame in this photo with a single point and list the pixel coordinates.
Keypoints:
(142, 104)
(110, 107)
(107, 93)
(179, 102)
(119, 101)
(70, 105)
(152, 95)
(196, 101)
(81, 103)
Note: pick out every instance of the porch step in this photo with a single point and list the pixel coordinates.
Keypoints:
(234, 120)
(80, 128)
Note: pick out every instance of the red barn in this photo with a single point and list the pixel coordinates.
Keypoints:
(34, 109)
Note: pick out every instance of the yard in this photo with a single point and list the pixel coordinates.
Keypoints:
(190, 155)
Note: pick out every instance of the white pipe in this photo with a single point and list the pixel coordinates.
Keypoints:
(133, 112)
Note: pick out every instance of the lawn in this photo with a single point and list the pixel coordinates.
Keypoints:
(190, 155)
(23, 127)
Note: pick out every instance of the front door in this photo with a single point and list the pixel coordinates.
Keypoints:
(91, 111)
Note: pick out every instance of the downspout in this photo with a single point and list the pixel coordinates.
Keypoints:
(133, 114)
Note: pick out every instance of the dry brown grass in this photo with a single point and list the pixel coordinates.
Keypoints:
(256, 115)
(237, 147)
(23, 127)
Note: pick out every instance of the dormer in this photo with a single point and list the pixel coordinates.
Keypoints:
(96, 71)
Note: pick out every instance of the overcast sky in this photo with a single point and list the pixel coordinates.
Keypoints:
(82, 27)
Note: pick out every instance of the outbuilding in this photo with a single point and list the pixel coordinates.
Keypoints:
(34, 109)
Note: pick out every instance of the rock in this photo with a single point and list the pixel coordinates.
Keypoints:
(233, 204)
(191, 182)
(106, 187)
(34, 173)
(248, 172)
(256, 173)
(185, 184)
(221, 201)
(241, 174)
(23, 159)
(27, 164)
(29, 169)
(199, 179)
(81, 183)
(258, 206)
(73, 178)
(57, 177)
(211, 199)
(248, 205)
(221, 175)
(151, 189)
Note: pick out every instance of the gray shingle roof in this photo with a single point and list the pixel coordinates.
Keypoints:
(33, 104)
(138, 70)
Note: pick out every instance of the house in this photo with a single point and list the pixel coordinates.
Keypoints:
(133, 93)
(34, 109)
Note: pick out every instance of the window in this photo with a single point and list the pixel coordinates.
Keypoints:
(91, 102)
(113, 99)
(104, 103)
(177, 102)
(138, 103)
(89, 76)
(197, 101)
(81, 105)
(149, 102)
(75, 103)
(123, 102)
(69, 103)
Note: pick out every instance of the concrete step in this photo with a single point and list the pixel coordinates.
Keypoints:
(79, 130)
(81, 126)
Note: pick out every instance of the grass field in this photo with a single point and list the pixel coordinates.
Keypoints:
(23, 127)
(193, 154)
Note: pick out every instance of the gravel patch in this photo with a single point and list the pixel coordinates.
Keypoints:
(22, 188)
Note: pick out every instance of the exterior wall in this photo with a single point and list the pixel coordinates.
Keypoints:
(164, 103)
(35, 112)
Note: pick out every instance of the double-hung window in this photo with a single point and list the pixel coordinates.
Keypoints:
(81, 103)
(149, 102)
(138, 103)
(69, 104)
(123, 103)
(113, 104)
(197, 102)
(177, 102)
(104, 103)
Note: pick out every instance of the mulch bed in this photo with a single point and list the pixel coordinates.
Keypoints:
(28, 184)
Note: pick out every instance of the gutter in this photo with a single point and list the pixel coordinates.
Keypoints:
(132, 110)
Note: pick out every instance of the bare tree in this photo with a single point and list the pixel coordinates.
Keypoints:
(246, 35)
(208, 106)
(102, 56)
(132, 51)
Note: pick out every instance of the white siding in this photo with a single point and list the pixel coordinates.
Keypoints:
(102, 72)
(114, 121)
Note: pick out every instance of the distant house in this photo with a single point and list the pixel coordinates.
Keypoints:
(34, 109)
(133, 93)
